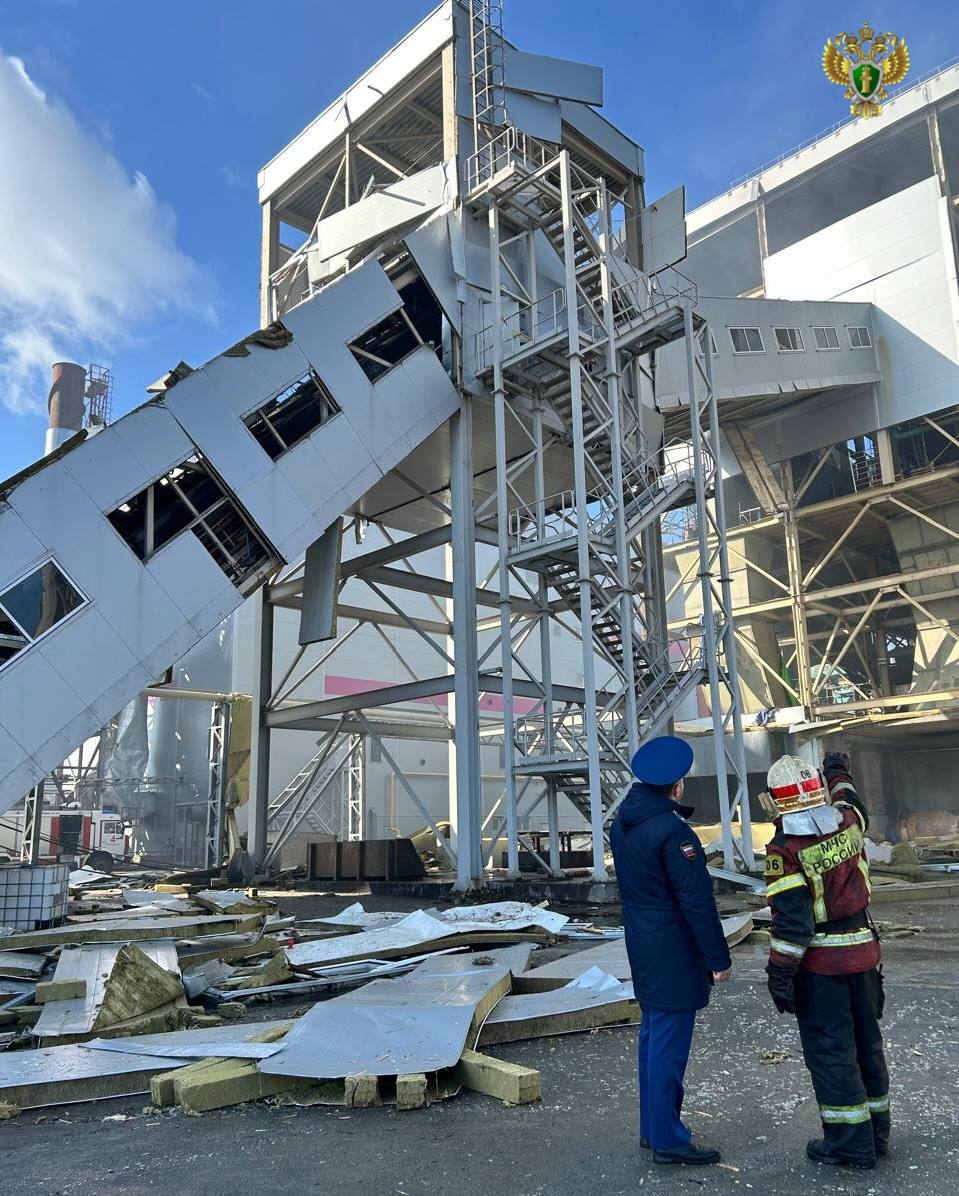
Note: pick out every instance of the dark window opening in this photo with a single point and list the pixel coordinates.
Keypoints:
(33, 605)
(190, 498)
(292, 415)
(418, 322)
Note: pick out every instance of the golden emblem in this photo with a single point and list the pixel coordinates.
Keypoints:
(865, 64)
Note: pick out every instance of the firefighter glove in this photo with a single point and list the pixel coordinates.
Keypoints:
(782, 985)
(835, 762)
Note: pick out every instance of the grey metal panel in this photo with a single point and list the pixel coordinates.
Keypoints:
(17, 768)
(56, 1067)
(342, 311)
(89, 655)
(212, 424)
(390, 207)
(590, 990)
(419, 396)
(432, 252)
(248, 381)
(560, 77)
(321, 576)
(282, 515)
(534, 115)
(416, 1023)
(106, 469)
(607, 137)
(54, 704)
(21, 548)
(193, 579)
(664, 231)
(154, 438)
(346, 458)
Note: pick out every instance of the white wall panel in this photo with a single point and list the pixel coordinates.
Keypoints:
(221, 437)
(154, 438)
(280, 513)
(560, 77)
(35, 699)
(345, 455)
(91, 658)
(896, 254)
(194, 582)
(342, 311)
(105, 468)
(21, 548)
(246, 383)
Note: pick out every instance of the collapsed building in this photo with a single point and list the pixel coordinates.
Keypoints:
(462, 488)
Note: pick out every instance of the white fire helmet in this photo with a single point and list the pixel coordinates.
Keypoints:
(796, 785)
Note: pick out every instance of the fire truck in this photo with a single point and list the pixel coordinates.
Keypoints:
(99, 836)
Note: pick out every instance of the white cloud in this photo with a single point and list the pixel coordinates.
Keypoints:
(232, 178)
(88, 254)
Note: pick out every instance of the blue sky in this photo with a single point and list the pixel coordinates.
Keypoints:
(130, 137)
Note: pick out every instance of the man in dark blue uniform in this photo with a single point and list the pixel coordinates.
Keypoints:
(674, 938)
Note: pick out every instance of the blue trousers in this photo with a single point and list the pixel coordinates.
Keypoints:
(665, 1037)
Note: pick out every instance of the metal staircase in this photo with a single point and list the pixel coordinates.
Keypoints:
(570, 350)
(314, 797)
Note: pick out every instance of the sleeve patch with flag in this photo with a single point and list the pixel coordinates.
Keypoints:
(688, 849)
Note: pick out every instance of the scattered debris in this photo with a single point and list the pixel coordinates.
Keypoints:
(774, 1056)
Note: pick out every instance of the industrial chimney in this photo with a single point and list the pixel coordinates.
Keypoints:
(65, 403)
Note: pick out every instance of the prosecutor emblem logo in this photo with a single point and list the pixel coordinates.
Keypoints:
(865, 64)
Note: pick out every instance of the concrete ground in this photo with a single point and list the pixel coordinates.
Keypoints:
(581, 1138)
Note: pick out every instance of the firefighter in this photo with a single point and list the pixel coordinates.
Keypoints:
(824, 955)
(674, 939)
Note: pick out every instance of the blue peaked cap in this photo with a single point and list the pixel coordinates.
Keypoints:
(662, 761)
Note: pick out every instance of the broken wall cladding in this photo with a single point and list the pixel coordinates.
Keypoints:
(136, 616)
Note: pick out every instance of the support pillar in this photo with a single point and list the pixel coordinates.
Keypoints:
(466, 816)
(32, 825)
(259, 804)
(590, 718)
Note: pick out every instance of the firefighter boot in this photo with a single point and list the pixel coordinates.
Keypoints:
(820, 1152)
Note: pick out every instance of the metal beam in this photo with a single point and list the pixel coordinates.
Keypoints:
(259, 729)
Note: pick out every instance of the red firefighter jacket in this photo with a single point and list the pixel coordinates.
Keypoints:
(817, 887)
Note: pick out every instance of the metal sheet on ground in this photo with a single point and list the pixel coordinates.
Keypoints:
(611, 956)
(63, 1074)
(415, 1023)
(92, 964)
(21, 963)
(588, 991)
(416, 929)
(196, 1044)
(132, 930)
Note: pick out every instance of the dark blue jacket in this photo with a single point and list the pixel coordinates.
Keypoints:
(674, 937)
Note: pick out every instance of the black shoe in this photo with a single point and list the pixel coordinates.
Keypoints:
(644, 1143)
(692, 1156)
(819, 1152)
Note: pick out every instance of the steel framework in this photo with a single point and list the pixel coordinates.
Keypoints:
(563, 362)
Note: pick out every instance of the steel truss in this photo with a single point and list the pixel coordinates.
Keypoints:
(842, 601)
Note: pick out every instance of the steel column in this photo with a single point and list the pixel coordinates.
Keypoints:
(259, 804)
(467, 815)
(582, 525)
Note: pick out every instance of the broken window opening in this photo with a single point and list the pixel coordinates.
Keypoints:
(190, 498)
(292, 415)
(418, 322)
(33, 606)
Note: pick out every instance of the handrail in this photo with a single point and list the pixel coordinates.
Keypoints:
(896, 94)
